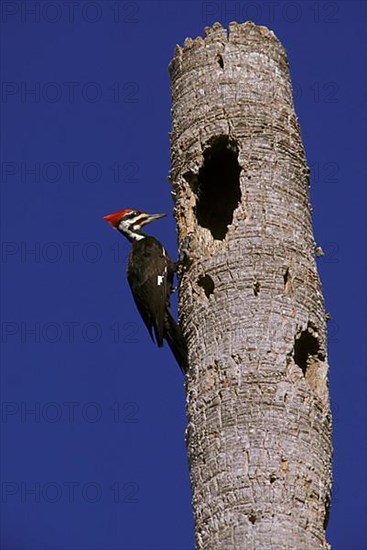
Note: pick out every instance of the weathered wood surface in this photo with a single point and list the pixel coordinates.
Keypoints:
(251, 305)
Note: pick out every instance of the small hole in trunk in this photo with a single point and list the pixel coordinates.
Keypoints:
(207, 283)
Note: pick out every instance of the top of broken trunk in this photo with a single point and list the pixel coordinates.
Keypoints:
(249, 35)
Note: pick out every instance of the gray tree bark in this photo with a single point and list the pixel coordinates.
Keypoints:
(251, 306)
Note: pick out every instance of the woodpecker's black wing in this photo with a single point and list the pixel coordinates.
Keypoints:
(150, 276)
(174, 337)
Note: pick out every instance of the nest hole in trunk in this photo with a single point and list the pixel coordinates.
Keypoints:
(217, 186)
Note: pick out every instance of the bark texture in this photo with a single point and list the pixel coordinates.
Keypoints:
(251, 306)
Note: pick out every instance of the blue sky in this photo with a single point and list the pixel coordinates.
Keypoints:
(93, 416)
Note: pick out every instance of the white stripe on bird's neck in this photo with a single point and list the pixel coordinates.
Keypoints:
(129, 234)
(134, 236)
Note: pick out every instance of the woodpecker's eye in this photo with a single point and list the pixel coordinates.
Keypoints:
(131, 215)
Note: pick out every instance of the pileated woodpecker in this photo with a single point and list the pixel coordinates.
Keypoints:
(150, 273)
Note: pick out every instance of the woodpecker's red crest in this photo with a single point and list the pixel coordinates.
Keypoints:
(114, 219)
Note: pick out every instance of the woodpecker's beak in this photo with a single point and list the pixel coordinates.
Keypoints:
(151, 218)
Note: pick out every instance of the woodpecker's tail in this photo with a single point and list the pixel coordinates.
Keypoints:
(175, 340)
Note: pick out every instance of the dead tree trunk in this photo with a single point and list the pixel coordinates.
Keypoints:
(251, 306)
